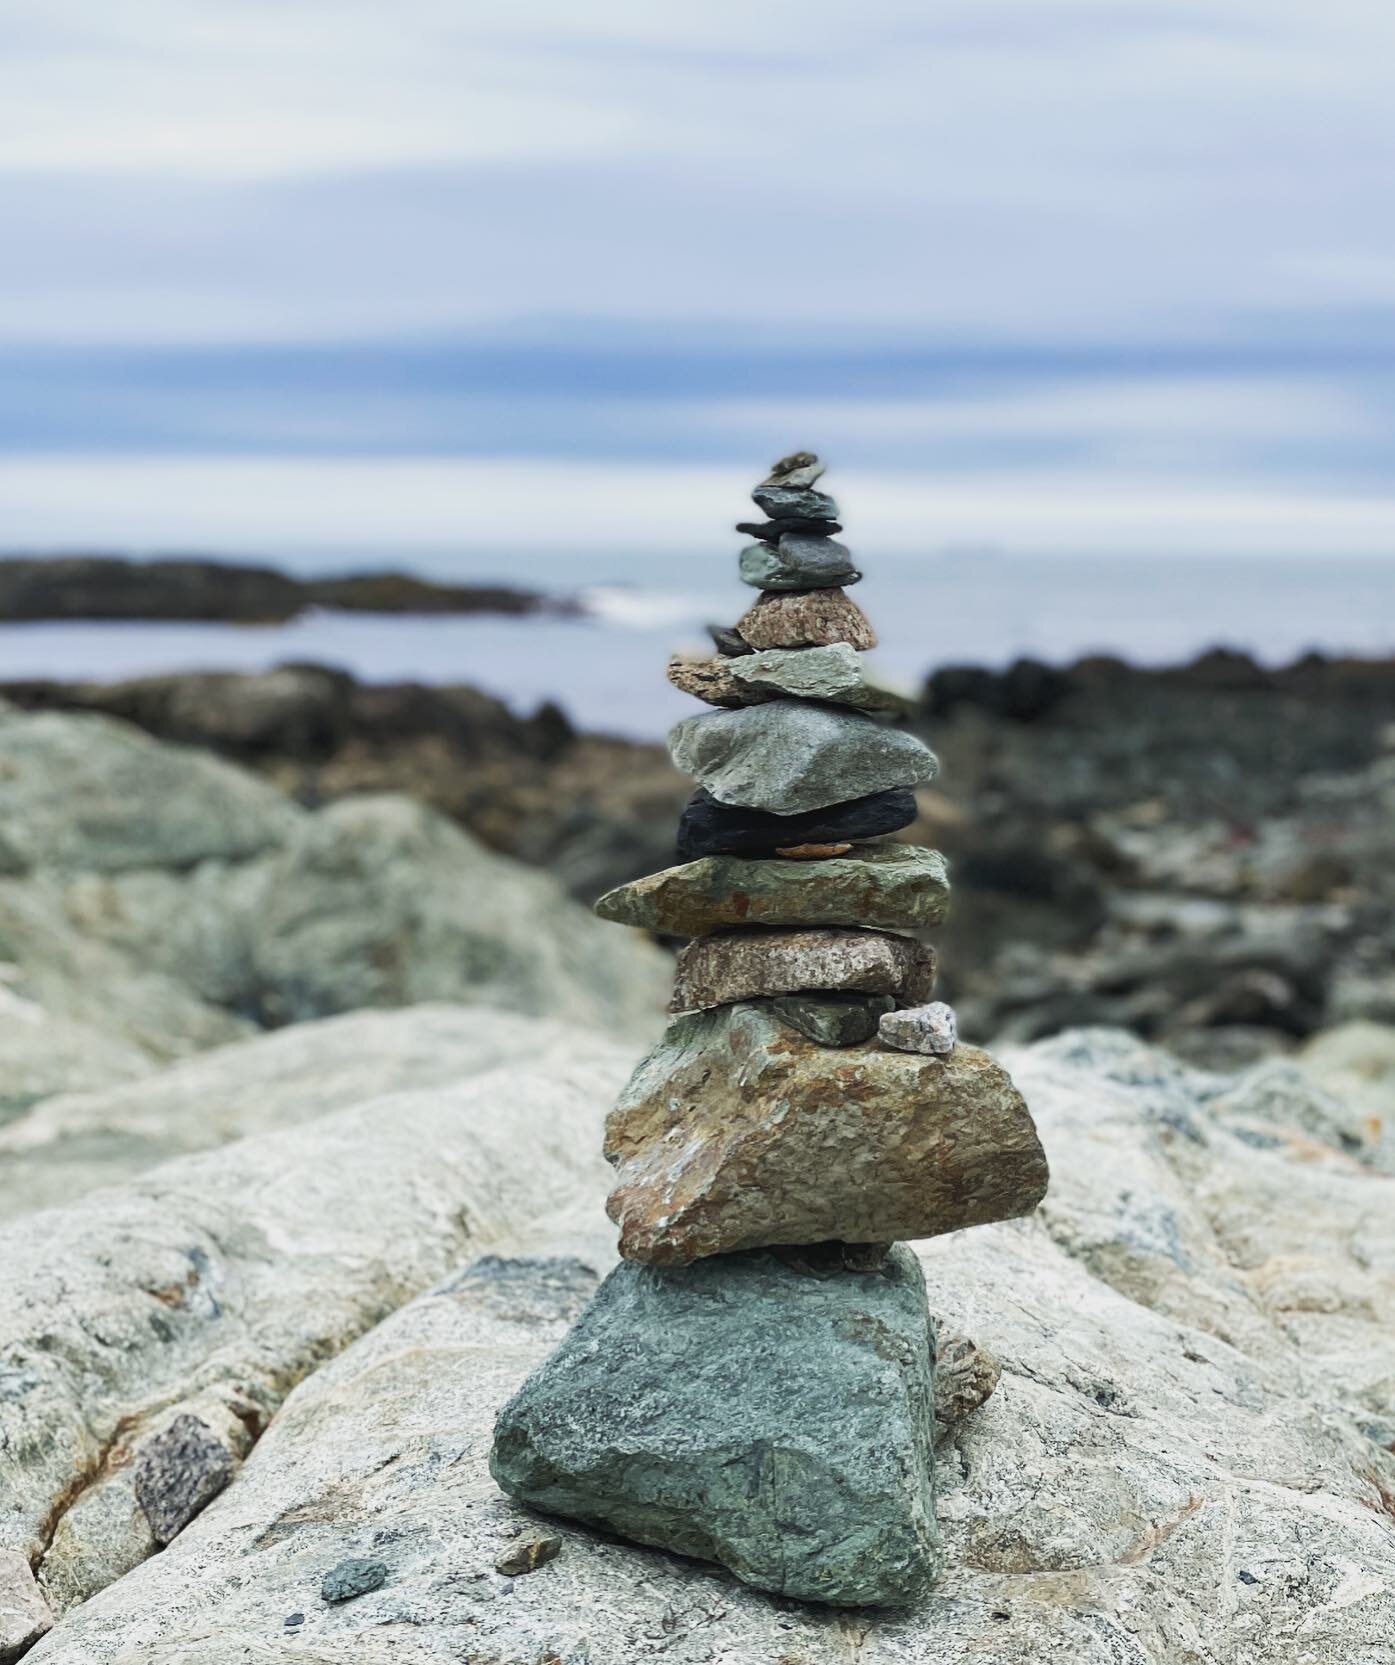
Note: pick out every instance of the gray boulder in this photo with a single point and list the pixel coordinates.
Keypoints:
(89, 793)
(215, 1282)
(788, 757)
(744, 1413)
(1186, 1456)
(74, 1142)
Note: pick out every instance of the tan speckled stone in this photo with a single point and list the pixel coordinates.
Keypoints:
(808, 618)
(741, 965)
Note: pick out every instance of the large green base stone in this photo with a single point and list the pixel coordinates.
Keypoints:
(789, 757)
(747, 1413)
(887, 886)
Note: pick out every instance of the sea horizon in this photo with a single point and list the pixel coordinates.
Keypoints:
(604, 668)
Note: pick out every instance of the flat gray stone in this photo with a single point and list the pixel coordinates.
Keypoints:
(742, 1412)
(800, 562)
(795, 503)
(836, 674)
(788, 757)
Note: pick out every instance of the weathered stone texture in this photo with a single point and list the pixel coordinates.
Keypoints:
(891, 886)
(812, 618)
(789, 757)
(738, 965)
(671, 1414)
(737, 1133)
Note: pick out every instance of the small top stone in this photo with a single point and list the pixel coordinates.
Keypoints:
(800, 468)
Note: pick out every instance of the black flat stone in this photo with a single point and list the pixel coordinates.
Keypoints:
(771, 531)
(709, 828)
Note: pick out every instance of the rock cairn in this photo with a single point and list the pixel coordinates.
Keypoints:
(754, 1383)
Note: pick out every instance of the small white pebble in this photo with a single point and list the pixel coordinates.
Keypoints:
(931, 1029)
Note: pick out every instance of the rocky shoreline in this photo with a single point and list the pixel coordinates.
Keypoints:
(1199, 854)
(195, 589)
(301, 1114)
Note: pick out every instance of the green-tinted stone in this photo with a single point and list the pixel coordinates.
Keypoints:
(883, 886)
(834, 1019)
(744, 1412)
(835, 674)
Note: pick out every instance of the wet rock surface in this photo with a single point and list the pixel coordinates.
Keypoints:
(735, 1133)
(671, 1415)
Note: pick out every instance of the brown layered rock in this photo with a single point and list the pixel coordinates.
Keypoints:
(806, 618)
(737, 1132)
(890, 886)
(744, 964)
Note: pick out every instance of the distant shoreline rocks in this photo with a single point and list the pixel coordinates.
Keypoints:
(50, 588)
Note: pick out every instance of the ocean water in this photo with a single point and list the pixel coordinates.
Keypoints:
(606, 670)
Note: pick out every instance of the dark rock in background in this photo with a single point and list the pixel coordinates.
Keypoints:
(1200, 853)
(112, 587)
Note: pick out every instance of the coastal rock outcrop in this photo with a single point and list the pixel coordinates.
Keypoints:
(1186, 1452)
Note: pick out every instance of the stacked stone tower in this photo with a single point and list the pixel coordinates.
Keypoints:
(753, 1384)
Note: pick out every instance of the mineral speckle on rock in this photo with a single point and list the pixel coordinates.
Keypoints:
(708, 828)
(533, 1550)
(352, 1577)
(24, 1614)
(805, 618)
(789, 758)
(179, 1472)
(741, 964)
(889, 887)
(931, 1028)
(811, 852)
(672, 1416)
(737, 1133)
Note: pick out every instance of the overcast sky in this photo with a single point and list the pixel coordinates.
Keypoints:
(1088, 274)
